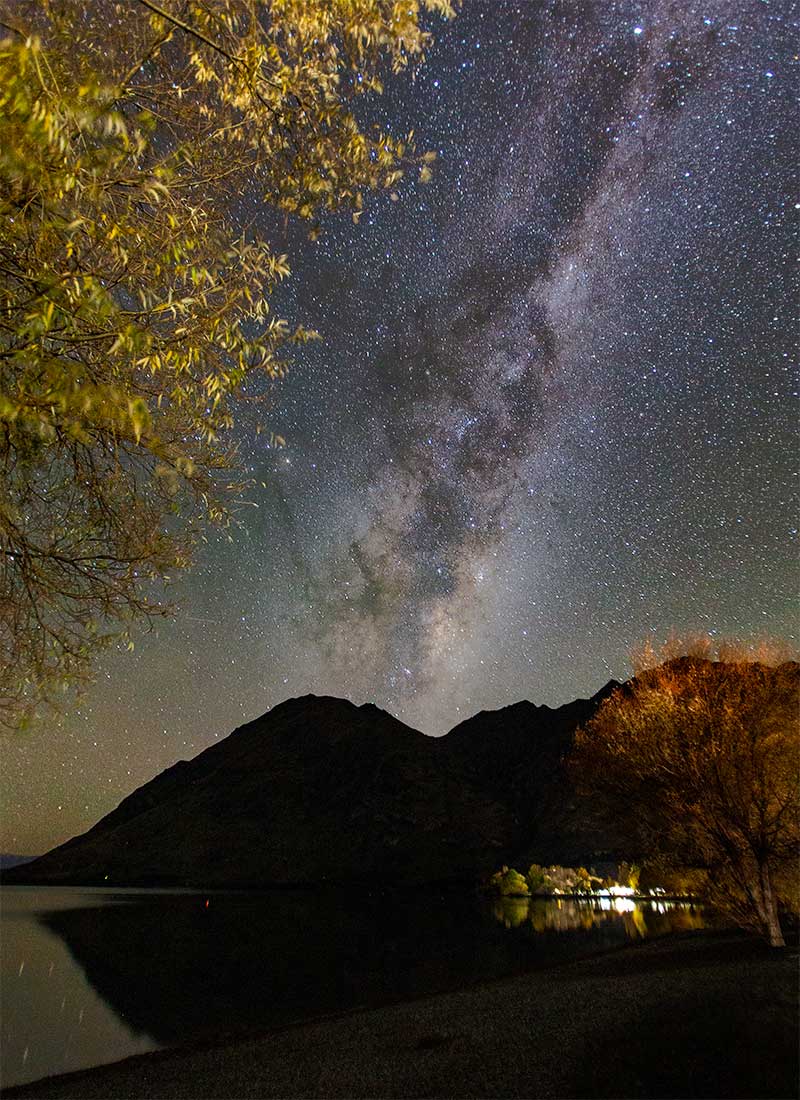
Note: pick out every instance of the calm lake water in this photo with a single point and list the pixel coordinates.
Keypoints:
(91, 976)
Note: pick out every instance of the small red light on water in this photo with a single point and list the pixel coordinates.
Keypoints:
(206, 903)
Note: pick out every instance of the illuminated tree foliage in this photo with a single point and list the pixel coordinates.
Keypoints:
(700, 758)
(508, 882)
(135, 309)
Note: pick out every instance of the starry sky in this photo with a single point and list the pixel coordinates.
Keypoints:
(553, 412)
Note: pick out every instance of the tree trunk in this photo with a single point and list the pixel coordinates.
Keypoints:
(772, 928)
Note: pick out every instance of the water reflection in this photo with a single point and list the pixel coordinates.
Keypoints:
(637, 918)
(53, 1021)
(88, 979)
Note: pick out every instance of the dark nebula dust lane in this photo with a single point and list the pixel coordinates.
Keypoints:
(553, 412)
(577, 404)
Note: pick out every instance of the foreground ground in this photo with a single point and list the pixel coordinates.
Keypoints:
(693, 1016)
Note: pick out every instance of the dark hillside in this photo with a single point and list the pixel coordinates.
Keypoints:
(319, 790)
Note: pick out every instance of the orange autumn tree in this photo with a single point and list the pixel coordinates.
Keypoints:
(699, 758)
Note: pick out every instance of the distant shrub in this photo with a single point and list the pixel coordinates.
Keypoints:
(535, 877)
(561, 880)
(509, 883)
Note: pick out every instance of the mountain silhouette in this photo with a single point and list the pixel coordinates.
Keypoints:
(319, 790)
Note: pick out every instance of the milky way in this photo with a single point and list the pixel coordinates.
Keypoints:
(551, 414)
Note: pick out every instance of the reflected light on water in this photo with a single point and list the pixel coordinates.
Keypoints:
(637, 918)
(93, 976)
(51, 1015)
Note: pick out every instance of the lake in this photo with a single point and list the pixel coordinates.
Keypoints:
(91, 975)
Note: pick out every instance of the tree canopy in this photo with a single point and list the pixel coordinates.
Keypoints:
(134, 307)
(700, 759)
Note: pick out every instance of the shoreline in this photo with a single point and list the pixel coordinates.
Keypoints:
(709, 1014)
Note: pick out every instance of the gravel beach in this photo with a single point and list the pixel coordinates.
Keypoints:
(708, 1015)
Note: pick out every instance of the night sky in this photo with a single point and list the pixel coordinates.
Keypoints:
(553, 412)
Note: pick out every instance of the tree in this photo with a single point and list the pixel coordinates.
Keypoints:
(508, 883)
(629, 875)
(135, 308)
(700, 759)
(583, 881)
(536, 877)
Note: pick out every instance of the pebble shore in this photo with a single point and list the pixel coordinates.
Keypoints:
(700, 1015)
